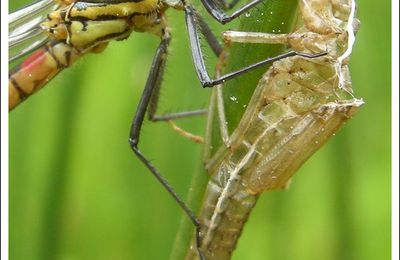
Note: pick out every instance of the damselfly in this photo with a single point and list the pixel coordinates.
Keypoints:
(298, 105)
(61, 31)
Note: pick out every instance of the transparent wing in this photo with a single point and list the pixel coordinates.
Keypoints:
(25, 35)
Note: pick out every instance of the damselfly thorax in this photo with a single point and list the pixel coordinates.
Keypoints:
(85, 25)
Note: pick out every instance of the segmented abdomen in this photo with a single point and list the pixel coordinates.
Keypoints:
(40, 67)
(226, 207)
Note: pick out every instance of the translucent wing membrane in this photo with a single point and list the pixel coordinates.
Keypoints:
(25, 35)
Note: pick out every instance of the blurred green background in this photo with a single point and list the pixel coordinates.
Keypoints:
(78, 192)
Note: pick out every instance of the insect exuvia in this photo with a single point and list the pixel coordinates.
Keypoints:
(298, 104)
(73, 28)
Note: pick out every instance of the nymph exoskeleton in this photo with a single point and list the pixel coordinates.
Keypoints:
(298, 104)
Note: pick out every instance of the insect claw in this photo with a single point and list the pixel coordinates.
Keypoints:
(198, 242)
(311, 56)
(207, 84)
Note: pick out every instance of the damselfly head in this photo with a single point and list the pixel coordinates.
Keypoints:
(55, 26)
